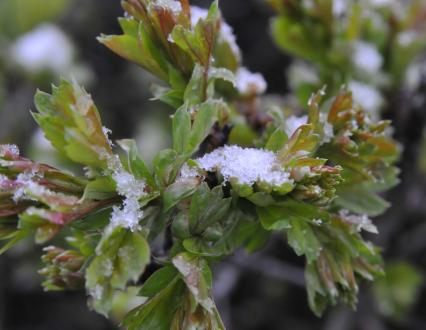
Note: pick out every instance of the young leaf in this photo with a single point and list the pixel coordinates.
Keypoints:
(121, 256)
(71, 122)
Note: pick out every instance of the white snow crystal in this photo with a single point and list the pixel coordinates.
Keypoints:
(246, 165)
(41, 142)
(300, 172)
(339, 7)
(107, 132)
(227, 35)
(300, 72)
(29, 189)
(188, 172)
(132, 189)
(406, 38)
(362, 222)
(98, 292)
(366, 96)
(127, 216)
(173, 5)
(45, 47)
(248, 82)
(197, 13)
(317, 222)
(367, 57)
(328, 128)
(8, 149)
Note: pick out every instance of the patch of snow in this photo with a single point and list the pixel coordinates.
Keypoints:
(246, 165)
(132, 189)
(362, 222)
(366, 96)
(366, 57)
(9, 150)
(45, 47)
(339, 7)
(173, 5)
(248, 82)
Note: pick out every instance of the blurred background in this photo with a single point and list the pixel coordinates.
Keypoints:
(43, 40)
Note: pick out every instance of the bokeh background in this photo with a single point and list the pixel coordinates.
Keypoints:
(42, 40)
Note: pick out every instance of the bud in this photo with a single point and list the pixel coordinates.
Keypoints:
(62, 269)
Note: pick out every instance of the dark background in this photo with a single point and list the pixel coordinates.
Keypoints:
(259, 292)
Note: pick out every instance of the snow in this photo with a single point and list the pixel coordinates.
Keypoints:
(107, 132)
(41, 142)
(317, 222)
(245, 165)
(7, 150)
(300, 172)
(366, 96)
(227, 35)
(45, 47)
(188, 172)
(248, 82)
(27, 188)
(367, 57)
(362, 222)
(197, 13)
(172, 5)
(339, 7)
(328, 129)
(132, 189)
(98, 292)
(406, 38)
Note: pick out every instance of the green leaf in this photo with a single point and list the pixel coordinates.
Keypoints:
(14, 239)
(71, 122)
(157, 312)
(195, 91)
(202, 248)
(197, 277)
(273, 218)
(181, 130)
(136, 46)
(303, 240)
(277, 140)
(121, 256)
(178, 191)
(165, 165)
(99, 189)
(205, 117)
(207, 207)
(317, 297)
(158, 281)
(361, 201)
(135, 163)
(397, 291)
(221, 74)
(199, 42)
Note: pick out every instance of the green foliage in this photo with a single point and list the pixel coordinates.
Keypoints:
(337, 38)
(19, 16)
(397, 291)
(314, 183)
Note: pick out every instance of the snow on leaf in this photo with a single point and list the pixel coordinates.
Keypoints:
(246, 165)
